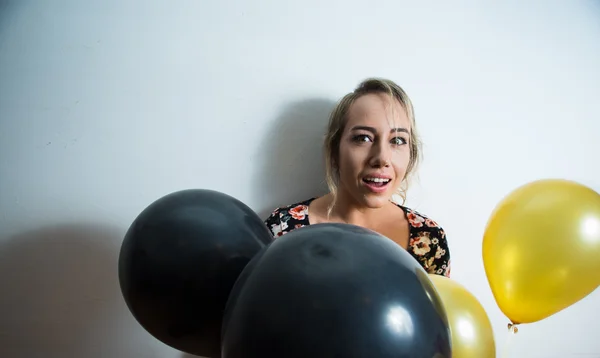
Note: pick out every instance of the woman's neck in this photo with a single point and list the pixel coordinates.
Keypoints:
(346, 209)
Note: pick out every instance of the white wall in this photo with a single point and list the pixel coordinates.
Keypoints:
(107, 105)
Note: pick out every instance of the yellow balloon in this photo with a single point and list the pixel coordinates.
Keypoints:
(470, 327)
(541, 248)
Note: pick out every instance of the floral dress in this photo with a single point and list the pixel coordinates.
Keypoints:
(427, 241)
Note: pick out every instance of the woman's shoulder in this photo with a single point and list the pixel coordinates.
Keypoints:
(428, 243)
(421, 222)
(288, 217)
(294, 209)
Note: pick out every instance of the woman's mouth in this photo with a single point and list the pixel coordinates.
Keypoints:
(376, 184)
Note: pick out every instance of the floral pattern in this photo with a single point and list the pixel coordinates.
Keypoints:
(427, 242)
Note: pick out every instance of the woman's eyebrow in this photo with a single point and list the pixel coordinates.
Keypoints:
(372, 130)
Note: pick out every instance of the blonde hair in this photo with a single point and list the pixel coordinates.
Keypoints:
(337, 123)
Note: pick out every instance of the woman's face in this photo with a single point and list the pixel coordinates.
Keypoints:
(374, 150)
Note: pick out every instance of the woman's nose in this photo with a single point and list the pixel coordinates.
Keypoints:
(380, 157)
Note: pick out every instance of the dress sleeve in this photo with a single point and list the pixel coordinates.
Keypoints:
(439, 260)
(273, 223)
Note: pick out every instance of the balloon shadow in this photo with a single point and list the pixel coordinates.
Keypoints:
(58, 291)
(293, 168)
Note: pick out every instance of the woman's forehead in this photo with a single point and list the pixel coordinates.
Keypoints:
(377, 111)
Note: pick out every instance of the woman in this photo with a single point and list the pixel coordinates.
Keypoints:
(371, 148)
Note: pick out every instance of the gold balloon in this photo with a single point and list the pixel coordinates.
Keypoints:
(470, 328)
(541, 248)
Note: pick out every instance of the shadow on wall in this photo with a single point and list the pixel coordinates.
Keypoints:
(57, 293)
(292, 167)
(8, 11)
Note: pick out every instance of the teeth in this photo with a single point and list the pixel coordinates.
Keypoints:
(377, 180)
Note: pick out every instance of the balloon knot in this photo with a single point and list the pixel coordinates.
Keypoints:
(512, 327)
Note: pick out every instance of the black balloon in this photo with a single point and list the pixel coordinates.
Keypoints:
(334, 290)
(179, 261)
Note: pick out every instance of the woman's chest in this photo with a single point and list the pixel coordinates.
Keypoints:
(396, 230)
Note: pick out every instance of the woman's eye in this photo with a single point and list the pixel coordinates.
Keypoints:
(398, 141)
(362, 138)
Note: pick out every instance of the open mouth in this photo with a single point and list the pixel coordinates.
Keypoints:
(376, 182)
